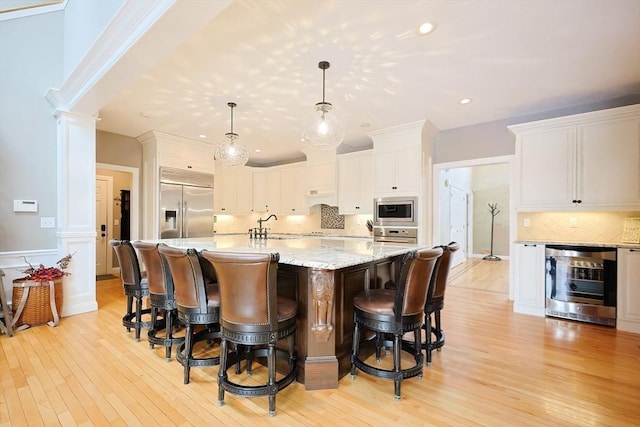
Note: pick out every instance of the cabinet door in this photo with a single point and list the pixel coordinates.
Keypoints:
(609, 163)
(259, 185)
(224, 190)
(547, 168)
(348, 184)
(529, 292)
(365, 204)
(384, 167)
(244, 190)
(273, 191)
(355, 183)
(628, 306)
(407, 169)
(292, 191)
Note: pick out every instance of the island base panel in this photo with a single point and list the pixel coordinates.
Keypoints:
(320, 373)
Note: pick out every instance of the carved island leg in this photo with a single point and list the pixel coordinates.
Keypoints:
(321, 364)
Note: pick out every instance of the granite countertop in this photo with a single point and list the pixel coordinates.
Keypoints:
(325, 252)
(594, 244)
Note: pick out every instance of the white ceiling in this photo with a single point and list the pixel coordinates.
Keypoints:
(512, 57)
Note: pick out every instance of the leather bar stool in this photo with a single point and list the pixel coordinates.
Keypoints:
(435, 301)
(134, 284)
(253, 318)
(198, 304)
(161, 297)
(392, 313)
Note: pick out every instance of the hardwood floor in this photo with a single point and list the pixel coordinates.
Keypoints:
(496, 369)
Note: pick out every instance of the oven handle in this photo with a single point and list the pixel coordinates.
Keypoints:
(394, 240)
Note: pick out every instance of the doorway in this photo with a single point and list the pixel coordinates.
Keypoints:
(464, 171)
(104, 213)
(127, 179)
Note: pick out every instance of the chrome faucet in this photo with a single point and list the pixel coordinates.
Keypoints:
(260, 220)
(260, 233)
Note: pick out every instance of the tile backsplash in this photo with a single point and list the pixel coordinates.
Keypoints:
(352, 225)
(595, 227)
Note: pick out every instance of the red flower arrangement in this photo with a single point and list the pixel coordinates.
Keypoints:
(47, 274)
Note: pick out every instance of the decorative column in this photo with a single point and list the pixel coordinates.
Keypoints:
(321, 364)
(76, 209)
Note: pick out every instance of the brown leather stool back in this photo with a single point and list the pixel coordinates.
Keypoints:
(134, 285)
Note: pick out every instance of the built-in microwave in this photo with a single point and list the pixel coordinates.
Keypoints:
(395, 211)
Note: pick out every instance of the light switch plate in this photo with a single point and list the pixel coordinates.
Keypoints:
(573, 222)
(47, 222)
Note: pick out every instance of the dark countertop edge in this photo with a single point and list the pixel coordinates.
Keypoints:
(594, 244)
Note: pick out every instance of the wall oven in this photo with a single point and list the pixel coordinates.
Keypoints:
(407, 235)
(581, 283)
(395, 212)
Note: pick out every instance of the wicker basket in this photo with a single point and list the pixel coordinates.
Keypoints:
(37, 307)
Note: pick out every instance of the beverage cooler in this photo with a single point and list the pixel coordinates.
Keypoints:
(581, 283)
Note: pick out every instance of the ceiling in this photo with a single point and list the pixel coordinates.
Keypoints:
(512, 58)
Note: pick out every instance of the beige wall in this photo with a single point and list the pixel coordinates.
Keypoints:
(592, 227)
(490, 184)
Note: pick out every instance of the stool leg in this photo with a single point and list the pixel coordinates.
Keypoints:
(129, 309)
(152, 330)
(396, 365)
(188, 349)
(428, 347)
(222, 371)
(354, 351)
(138, 316)
(271, 364)
(168, 326)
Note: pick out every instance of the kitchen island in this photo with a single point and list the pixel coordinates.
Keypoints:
(323, 274)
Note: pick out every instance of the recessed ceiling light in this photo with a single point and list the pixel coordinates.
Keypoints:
(202, 136)
(465, 101)
(146, 115)
(258, 150)
(426, 28)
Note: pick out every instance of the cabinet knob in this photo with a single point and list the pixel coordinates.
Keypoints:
(222, 209)
(394, 188)
(578, 201)
(189, 167)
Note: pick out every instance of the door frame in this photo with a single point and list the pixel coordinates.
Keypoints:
(135, 197)
(109, 221)
(439, 167)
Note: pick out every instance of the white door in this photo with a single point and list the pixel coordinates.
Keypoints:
(458, 222)
(104, 186)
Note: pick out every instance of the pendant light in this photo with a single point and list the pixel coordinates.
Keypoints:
(323, 129)
(231, 152)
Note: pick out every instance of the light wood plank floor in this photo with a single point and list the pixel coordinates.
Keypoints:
(496, 369)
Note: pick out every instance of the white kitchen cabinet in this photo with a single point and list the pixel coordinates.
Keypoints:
(292, 191)
(529, 289)
(628, 304)
(232, 190)
(266, 190)
(355, 183)
(588, 161)
(397, 171)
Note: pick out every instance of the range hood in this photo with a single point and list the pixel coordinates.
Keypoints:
(321, 173)
(330, 199)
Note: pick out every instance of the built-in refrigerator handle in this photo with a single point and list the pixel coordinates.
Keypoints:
(185, 220)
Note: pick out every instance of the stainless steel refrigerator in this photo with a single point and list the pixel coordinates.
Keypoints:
(186, 203)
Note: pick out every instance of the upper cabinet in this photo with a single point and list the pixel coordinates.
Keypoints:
(588, 161)
(355, 183)
(398, 160)
(232, 190)
(292, 191)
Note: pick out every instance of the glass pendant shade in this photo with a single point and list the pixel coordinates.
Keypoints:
(322, 129)
(231, 152)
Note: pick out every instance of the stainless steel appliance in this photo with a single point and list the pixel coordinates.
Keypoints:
(395, 212)
(581, 283)
(396, 234)
(186, 203)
